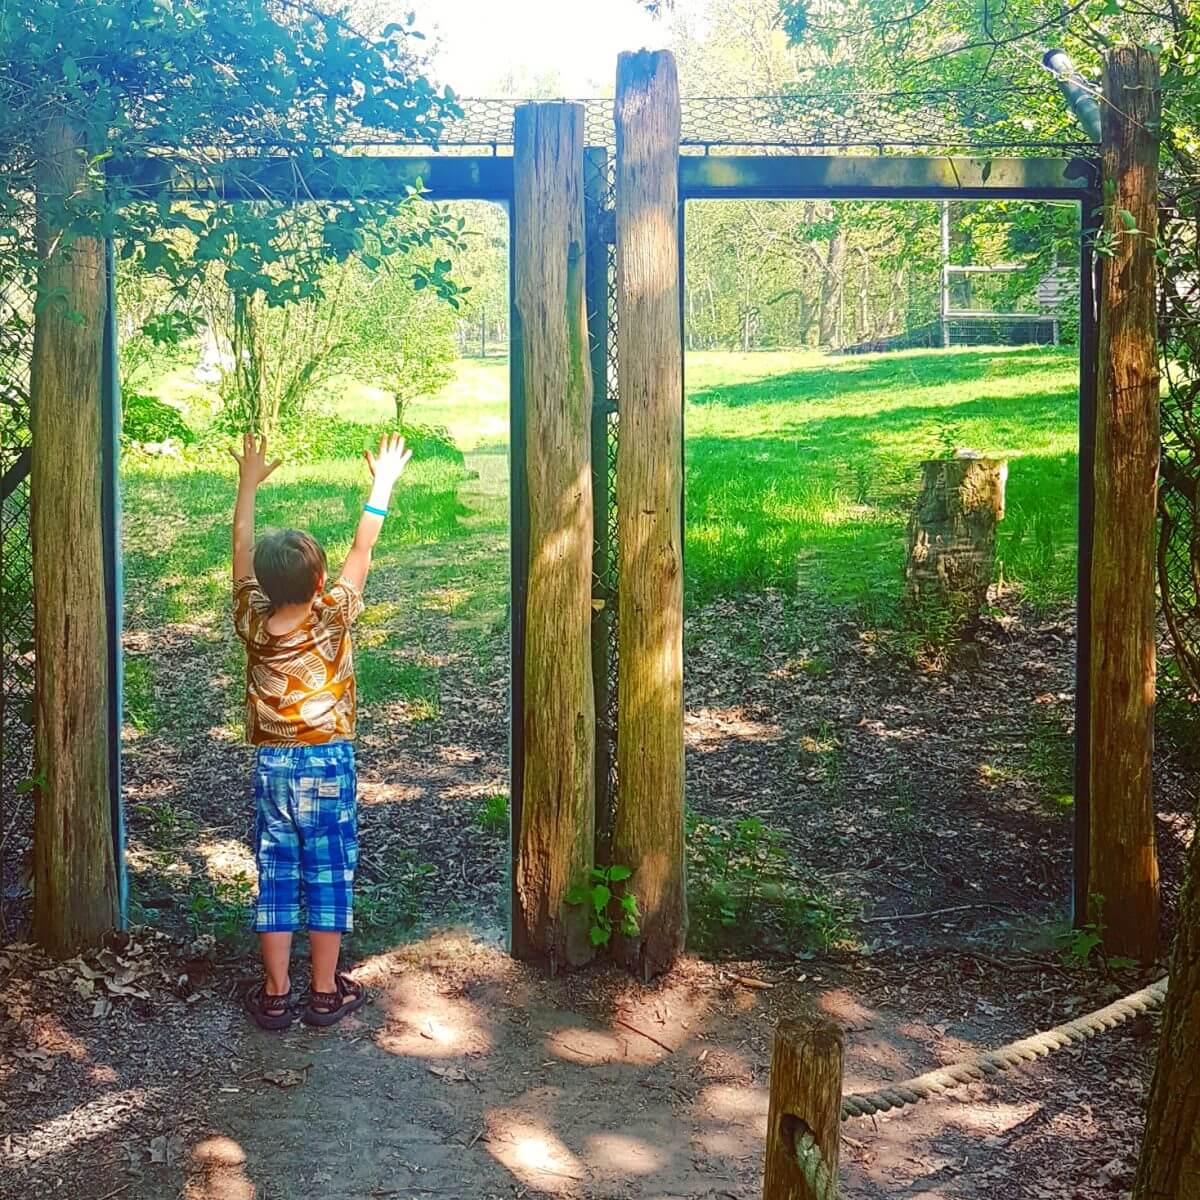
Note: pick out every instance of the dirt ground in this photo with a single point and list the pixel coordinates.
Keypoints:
(474, 1076)
(921, 801)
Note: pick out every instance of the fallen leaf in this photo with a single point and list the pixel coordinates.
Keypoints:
(285, 1077)
(165, 1149)
(450, 1074)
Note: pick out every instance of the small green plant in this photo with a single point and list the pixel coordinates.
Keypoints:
(598, 895)
(166, 825)
(395, 904)
(221, 907)
(1082, 944)
(1078, 945)
(740, 896)
(492, 814)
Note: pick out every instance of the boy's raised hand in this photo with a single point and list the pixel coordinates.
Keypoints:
(388, 465)
(252, 463)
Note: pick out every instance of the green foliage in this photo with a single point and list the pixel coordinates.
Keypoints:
(492, 814)
(142, 74)
(399, 336)
(741, 898)
(396, 903)
(221, 907)
(604, 905)
(145, 418)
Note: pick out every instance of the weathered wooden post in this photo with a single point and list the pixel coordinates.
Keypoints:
(648, 828)
(553, 843)
(1122, 861)
(75, 882)
(1170, 1161)
(806, 1096)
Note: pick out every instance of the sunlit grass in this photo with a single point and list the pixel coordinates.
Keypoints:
(802, 469)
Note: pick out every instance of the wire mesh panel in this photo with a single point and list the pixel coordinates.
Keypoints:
(599, 187)
(16, 601)
(957, 120)
(1179, 494)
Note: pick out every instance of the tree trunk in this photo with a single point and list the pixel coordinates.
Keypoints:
(1123, 865)
(648, 830)
(952, 533)
(831, 291)
(554, 842)
(1170, 1164)
(75, 883)
(806, 1095)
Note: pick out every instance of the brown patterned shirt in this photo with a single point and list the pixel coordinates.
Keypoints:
(299, 684)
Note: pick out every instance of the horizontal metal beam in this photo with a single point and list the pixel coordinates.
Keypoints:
(883, 177)
(300, 178)
(702, 177)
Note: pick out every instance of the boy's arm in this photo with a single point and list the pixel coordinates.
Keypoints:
(386, 468)
(253, 468)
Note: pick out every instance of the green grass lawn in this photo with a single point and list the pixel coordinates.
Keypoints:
(443, 555)
(801, 470)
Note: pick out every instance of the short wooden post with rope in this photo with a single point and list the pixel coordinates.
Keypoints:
(804, 1117)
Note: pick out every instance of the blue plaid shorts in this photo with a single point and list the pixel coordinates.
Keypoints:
(305, 836)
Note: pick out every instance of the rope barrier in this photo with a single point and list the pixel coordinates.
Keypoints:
(816, 1174)
(822, 1183)
(991, 1062)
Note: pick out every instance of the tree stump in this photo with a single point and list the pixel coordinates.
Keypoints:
(952, 532)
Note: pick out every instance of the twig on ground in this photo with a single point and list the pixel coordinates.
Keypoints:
(916, 916)
(757, 985)
(642, 1033)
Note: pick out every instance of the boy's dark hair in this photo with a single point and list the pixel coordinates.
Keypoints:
(288, 564)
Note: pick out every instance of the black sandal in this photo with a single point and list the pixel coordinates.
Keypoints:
(328, 1008)
(269, 1012)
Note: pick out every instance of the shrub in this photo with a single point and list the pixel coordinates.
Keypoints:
(741, 899)
(320, 436)
(146, 418)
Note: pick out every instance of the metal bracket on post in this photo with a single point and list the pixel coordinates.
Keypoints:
(114, 583)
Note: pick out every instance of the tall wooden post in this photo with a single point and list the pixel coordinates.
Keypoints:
(1123, 865)
(75, 883)
(554, 839)
(806, 1096)
(648, 829)
(1170, 1162)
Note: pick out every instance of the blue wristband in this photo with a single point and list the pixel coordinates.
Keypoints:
(378, 512)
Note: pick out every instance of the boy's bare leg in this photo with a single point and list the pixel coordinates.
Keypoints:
(276, 949)
(325, 947)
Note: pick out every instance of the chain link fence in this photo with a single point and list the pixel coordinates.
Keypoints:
(957, 120)
(1179, 493)
(16, 603)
